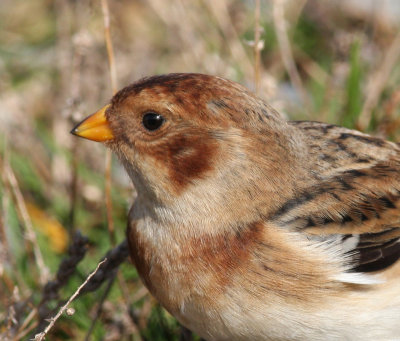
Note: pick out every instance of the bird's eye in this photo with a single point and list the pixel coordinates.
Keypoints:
(152, 121)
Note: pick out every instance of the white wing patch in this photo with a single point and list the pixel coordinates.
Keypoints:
(358, 278)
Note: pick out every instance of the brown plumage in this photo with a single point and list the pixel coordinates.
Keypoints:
(249, 227)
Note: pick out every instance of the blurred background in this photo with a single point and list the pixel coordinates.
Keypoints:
(331, 61)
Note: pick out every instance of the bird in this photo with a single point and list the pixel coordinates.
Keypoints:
(248, 226)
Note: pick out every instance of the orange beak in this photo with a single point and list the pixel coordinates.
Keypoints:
(95, 127)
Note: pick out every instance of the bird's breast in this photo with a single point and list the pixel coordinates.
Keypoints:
(184, 273)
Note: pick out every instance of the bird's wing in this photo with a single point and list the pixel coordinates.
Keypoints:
(355, 200)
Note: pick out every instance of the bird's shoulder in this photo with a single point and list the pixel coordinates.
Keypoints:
(354, 199)
(337, 146)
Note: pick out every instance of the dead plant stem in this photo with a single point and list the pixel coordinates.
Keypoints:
(377, 83)
(30, 232)
(41, 336)
(108, 160)
(257, 47)
(286, 50)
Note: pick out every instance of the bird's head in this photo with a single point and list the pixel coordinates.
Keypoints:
(177, 133)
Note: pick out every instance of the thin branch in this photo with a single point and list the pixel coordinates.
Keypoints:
(25, 332)
(257, 47)
(286, 50)
(5, 201)
(109, 206)
(8, 258)
(100, 307)
(185, 334)
(109, 45)
(4, 246)
(41, 336)
(76, 252)
(114, 257)
(73, 189)
(67, 267)
(113, 78)
(24, 329)
(108, 161)
(30, 233)
(377, 83)
(220, 10)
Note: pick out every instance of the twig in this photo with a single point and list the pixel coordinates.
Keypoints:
(76, 252)
(73, 193)
(30, 233)
(24, 329)
(377, 83)
(40, 336)
(110, 221)
(100, 307)
(25, 332)
(108, 160)
(142, 292)
(69, 57)
(110, 50)
(311, 67)
(185, 334)
(9, 257)
(67, 267)
(113, 77)
(75, 83)
(285, 49)
(4, 246)
(114, 257)
(220, 10)
(257, 47)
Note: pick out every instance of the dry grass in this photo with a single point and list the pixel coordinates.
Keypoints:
(310, 59)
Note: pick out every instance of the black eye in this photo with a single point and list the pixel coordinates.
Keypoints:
(152, 121)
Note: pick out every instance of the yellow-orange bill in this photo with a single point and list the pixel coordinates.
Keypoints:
(95, 127)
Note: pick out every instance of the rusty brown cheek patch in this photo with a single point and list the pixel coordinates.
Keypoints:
(186, 157)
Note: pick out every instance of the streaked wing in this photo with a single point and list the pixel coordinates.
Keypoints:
(355, 198)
